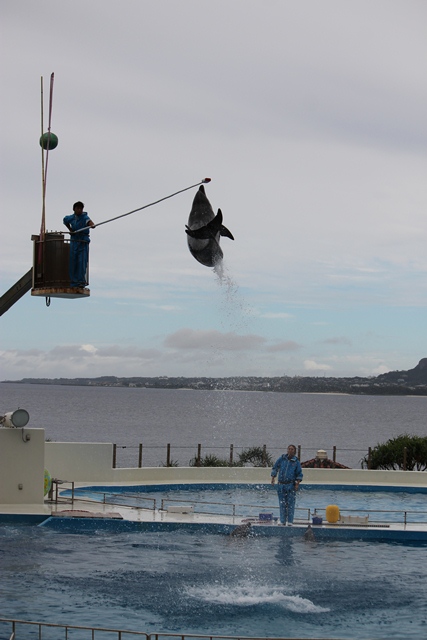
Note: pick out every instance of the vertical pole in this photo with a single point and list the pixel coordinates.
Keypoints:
(140, 456)
(264, 455)
(114, 455)
(199, 455)
(231, 454)
(299, 452)
(168, 456)
(405, 451)
(369, 457)
(334, 455)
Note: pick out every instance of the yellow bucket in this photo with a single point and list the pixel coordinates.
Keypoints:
(332, 513)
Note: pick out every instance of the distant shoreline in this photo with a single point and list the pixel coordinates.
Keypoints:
(395, 383)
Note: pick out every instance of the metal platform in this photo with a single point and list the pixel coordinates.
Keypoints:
(61, 292)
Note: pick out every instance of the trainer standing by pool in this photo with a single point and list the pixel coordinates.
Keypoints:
(290, 475)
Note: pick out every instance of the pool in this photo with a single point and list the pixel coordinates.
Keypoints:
(213, 584)
(248, 500)
(174, 582)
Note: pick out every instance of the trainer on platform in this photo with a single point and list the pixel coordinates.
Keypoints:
(290, 475)
(79, 244)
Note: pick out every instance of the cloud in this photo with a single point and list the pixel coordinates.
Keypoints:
(287, 345)
(320, 177)
(275, 316)
(213, 339)
(312, 365)
(337, 340)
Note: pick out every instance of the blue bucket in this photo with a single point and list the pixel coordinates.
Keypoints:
(266, 517)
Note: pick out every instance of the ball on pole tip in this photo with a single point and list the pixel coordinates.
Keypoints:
(205, 180)
(48, 141)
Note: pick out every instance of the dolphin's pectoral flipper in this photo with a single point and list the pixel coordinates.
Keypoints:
(199, 234)
(226, 233)
(209, 230)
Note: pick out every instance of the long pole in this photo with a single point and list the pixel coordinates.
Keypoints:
(204, 181)
(43, 225)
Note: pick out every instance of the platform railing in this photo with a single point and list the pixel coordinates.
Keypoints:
(303, 514)
(42, 631)
(108, 498)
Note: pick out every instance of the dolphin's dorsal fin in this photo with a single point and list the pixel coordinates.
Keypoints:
(209, 230)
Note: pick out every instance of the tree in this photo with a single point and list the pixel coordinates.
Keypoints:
(252, 456)
(256, 456)
(404, 452)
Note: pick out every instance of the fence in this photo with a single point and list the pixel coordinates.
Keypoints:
(172, 455)
(17, 629)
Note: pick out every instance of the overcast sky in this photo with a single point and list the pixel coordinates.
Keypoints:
(310, 118)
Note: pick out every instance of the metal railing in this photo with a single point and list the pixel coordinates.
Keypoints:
(41, 628)
(406, 516)
(116, 499)
(232, 506)
(105, 498)
(230, 453)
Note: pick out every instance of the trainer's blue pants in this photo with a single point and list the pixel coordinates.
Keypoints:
(79, 256)
(287, 495)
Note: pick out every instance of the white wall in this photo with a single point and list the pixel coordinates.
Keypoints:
(79, 461)
(21, 463)
(91, 462)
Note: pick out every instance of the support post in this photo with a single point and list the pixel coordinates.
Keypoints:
(231, 454)
(334, 455)
(199, 455)
(299, 452)
(369, 457)
(140, 456)
(264, 455)
(168, 455)
(114, 455)
(405, 453)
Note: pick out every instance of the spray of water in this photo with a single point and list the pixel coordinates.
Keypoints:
(247, 594)
(235, 310)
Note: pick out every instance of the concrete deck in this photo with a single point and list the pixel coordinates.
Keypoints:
(85, 516)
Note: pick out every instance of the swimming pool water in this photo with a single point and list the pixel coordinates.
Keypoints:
(177, 582)
(387, 506)
(181, 582)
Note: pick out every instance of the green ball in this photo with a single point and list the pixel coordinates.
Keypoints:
(47, 481)
(49, 140)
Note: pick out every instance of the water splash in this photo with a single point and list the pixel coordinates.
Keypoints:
(248, 594)
(234, 309)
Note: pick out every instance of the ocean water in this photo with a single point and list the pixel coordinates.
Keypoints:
(215, 419)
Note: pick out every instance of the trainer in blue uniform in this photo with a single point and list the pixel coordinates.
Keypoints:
(290, 475)
(79, 244)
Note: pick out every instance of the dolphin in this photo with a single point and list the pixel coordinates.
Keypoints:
(309, 535)
(242, 530)
(204, 229)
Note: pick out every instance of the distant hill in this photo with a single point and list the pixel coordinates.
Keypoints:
(417, 375)
(411, 382)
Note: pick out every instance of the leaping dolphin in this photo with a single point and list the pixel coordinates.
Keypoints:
(204, 230)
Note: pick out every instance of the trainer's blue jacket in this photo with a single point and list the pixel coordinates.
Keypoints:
(289, 469)
(76, 223)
